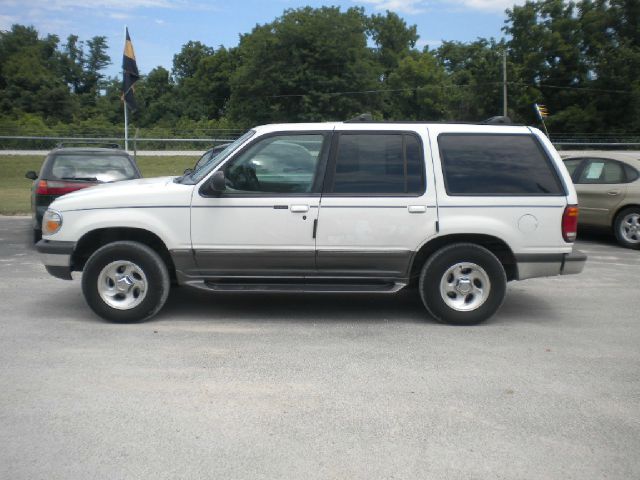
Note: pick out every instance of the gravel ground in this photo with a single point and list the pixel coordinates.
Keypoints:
(327, 386)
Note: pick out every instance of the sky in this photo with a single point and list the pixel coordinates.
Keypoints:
(159, 28)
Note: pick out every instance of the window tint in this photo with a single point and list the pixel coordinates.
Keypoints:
(496, 165)
(378, 164)
(278, 164)
(97, 167)
(602, 171)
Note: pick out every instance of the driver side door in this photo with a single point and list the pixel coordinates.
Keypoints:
(263, 224)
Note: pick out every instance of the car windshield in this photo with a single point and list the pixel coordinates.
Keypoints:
(204, 168)
(204, 159)
(95, 168)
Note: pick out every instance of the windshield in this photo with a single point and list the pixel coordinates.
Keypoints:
(95, 168)
(204, 168)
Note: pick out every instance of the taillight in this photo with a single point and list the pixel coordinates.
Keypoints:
(570, 223)
(51, 187)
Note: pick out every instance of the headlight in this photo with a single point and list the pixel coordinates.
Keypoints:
(51, 222)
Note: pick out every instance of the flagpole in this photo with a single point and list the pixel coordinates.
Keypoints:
(124, 103)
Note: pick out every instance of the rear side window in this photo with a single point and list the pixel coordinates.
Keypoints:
(631, 173)
(602, 171)
(100, 168)
(496, 164)
(378, 164)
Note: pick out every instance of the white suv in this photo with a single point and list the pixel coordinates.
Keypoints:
(457, 210)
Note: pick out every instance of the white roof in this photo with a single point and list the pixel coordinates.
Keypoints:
(386, 126)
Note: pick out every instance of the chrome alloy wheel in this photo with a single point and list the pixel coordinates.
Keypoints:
(630, 227)
(122, 285)
(465, 286)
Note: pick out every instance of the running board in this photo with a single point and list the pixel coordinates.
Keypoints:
(283, 287)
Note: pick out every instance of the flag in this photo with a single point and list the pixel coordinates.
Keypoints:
(130, 73)
(542, 111)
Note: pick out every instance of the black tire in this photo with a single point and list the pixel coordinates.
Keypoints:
(433, 273)
(627, 239)
(148, 261)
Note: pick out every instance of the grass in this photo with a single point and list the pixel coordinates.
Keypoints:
(15, 189)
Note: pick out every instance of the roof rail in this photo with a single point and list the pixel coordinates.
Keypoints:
(95, 143)
(497, 120)
(363, 117)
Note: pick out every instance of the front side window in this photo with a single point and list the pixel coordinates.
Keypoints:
(496, 164)
(378, 164)
(572, 165)
(280, 164)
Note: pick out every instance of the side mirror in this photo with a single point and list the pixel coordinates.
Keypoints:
(218, 183)
(31, 175)
(187, 171)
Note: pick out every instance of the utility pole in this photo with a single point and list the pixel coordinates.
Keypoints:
(124, 101)
(504, 82)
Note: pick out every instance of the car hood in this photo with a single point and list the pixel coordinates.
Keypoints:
(142, 192)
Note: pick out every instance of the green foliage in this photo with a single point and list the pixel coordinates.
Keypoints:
(298, 67)
(581, 58)
(393, 38)
(419, 86)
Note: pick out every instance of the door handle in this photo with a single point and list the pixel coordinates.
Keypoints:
(299, 208)
(613, 193)
(417, 208)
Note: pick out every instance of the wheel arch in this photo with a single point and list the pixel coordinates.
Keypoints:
(620, 209)
(495, 245)
(94, 239)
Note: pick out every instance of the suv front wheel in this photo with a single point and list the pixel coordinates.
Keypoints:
(462, 284)
(125, 282)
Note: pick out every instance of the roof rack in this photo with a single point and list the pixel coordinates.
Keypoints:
(95, 143)
(363, 117)
(368, 118)
(497, 120)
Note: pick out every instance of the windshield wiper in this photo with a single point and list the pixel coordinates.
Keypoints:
(85, 179)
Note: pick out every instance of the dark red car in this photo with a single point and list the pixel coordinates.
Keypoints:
(67, 169)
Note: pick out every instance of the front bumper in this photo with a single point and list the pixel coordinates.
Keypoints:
(56, 257)
(549, 265)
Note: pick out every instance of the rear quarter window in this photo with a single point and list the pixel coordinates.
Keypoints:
(497, 164)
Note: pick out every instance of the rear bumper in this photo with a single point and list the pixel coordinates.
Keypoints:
(549, 265)
(574, 262)
(56, 257)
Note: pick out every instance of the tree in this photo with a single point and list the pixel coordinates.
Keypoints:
(475, 72)
(393, 39)
(185, 63)
(420, 89)
(301, 67)
(205, 94)
(30, 75)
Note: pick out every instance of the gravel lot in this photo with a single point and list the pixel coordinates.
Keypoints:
(327, 386)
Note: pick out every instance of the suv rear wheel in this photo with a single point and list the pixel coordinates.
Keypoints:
(462, 284)
(125, 282)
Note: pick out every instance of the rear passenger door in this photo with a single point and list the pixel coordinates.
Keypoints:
(378, 204)
(601, 187)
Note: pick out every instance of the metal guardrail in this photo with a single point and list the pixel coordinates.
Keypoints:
(559, 140)
(116, 139)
